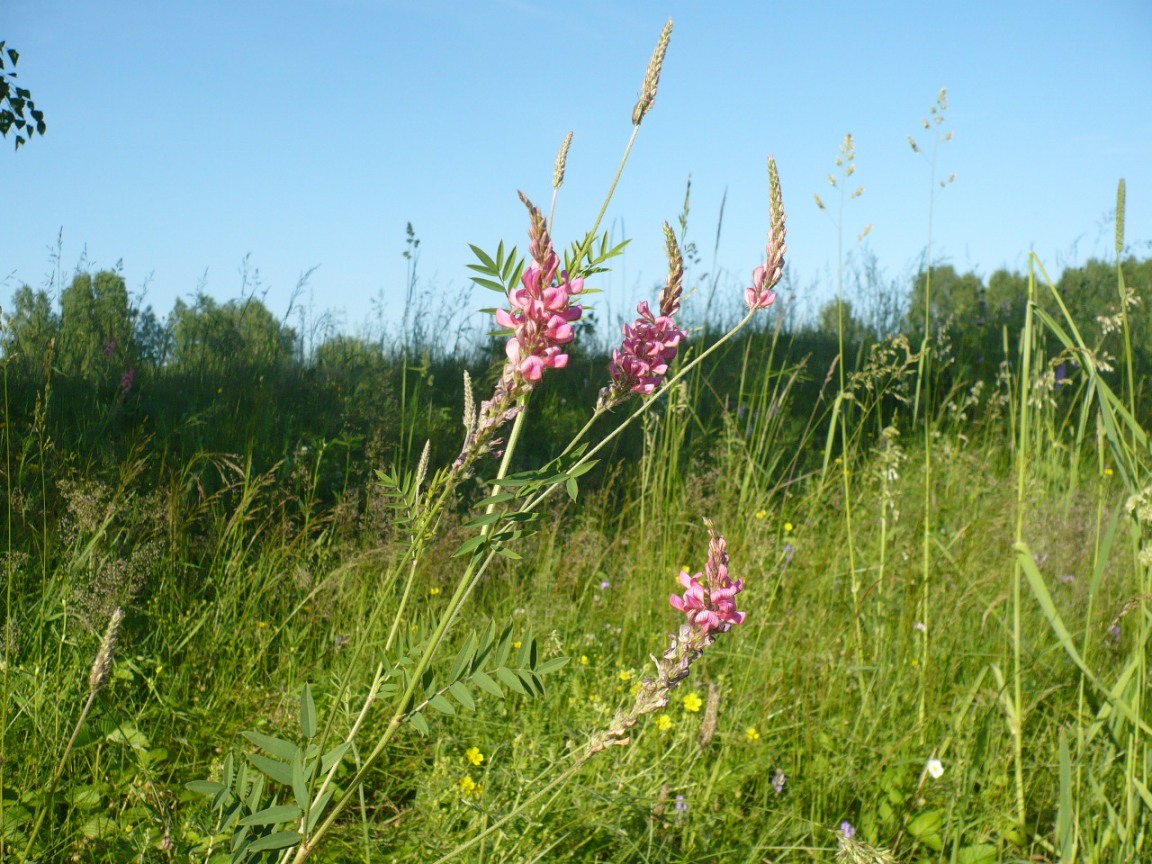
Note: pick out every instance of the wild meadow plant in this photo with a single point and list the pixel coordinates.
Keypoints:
(285, 800)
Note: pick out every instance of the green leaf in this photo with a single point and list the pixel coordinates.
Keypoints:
(489, 284)
(551, 665)
(925, 827)
(83, 797)
(572, 488)
(510, 679)
(98, 827)
(307, 712)
(300, 782)
(418, 721)
(481, 680)
(527, 655)
(274, 769)
(483, 519)
(505, 646)
(470, 545)
(460, 692)
(533, 684)
(463, 661)
(279, 840)
(333, 756)
(205, 787)
(256, 792)
(278, 747)
(318, 807)
(273, 815)
(484, 259)
(982, 853)
(441, 704)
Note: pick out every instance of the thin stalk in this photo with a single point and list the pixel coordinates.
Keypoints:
(1027, 345)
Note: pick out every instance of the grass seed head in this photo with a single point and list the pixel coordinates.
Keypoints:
(102, 665)
(652, 77)
(561, 162)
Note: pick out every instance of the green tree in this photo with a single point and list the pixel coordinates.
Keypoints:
(29, 329)
(210, 337)
(855, 331)
(97, 325)
(957, 300)
(17, 110)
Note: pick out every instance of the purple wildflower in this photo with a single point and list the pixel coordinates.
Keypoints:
(847, 829)
(778, 781)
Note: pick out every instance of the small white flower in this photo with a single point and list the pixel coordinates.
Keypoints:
(935, 769)
(919, 625)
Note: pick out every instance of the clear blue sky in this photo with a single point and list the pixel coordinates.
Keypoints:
(184, 136)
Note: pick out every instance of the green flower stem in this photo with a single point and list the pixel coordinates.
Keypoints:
(46, 803)
(644, 408)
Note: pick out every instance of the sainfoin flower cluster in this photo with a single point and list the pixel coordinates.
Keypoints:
(541, 316)
(710, 605)
(710, 598)
(651, 342)
(765, 277)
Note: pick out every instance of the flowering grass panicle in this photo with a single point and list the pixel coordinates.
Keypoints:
(652, 77)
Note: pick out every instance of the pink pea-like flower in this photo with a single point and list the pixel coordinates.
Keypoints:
(765, 277)
(650, 345)
(709, 600)
(540, 319)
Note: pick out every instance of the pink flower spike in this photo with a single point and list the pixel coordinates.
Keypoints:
(709, 598)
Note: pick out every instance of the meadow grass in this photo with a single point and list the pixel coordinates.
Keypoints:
(252, 588)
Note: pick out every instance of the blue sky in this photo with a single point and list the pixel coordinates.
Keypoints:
(183, 137)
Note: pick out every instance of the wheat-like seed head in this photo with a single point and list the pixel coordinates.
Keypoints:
(561, 162)
(652, 77)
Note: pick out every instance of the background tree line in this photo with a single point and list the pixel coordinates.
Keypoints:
(101, 372)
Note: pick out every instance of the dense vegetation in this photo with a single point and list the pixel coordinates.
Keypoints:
(942, 576)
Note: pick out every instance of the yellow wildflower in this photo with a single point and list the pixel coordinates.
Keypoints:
(752, 733)
(663, 722)
(470, 787)
(692, 702)
(625, 675)
(787, 527)
(474, 755)
(761, 514)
